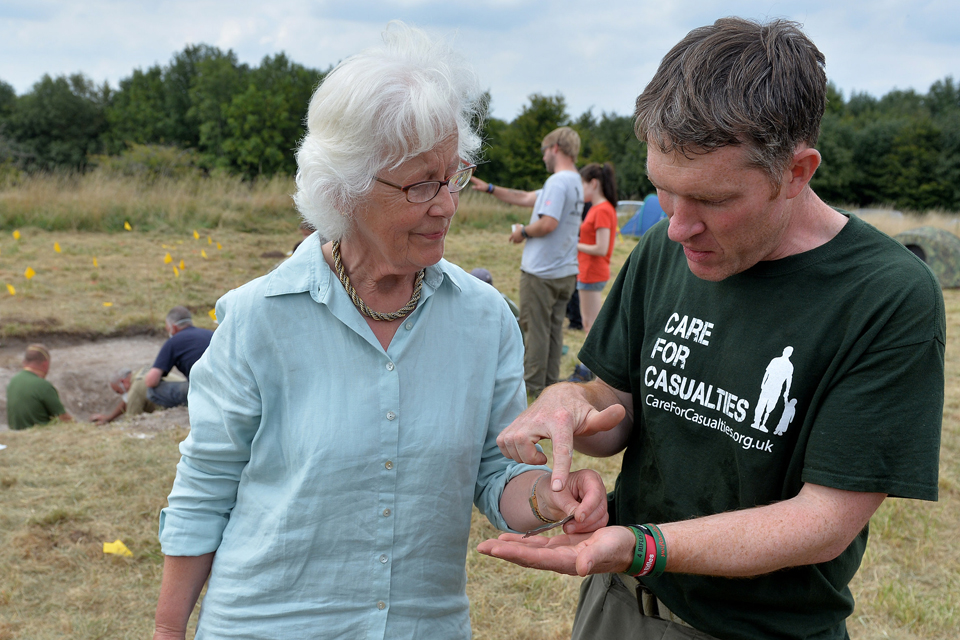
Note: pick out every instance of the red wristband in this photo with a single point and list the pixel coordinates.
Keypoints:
(651, 556)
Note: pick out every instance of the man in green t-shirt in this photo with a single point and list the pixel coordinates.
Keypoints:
(770, 367)
(30, 398)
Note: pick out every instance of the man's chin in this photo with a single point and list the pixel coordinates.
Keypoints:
(710, 273)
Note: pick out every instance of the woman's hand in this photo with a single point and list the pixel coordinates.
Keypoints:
(608, 550)
(584, 496)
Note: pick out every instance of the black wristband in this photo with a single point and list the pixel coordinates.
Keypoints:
(523, 232)
(489, 187)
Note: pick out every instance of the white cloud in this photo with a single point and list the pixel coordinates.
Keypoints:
(597, 55)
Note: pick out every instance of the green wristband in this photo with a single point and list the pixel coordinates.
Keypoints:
(661, 563)
(639, 552)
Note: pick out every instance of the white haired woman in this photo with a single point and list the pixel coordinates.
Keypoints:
(345, 415)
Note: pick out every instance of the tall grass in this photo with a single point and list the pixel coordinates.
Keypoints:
(104, 201)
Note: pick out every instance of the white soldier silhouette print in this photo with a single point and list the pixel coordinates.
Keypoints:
(778, 376)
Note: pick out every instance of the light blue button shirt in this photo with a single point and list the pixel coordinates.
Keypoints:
(334, 479)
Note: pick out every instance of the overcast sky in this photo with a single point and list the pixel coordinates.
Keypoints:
(599, 55)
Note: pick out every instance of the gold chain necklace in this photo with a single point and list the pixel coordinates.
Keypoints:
(361, 305)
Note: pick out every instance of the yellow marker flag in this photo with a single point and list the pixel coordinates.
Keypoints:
(219, 246)
(196, 236)
(209, 240)
(176, 271)
(108, 304)
(126, 225)
(56, 247)
(16, 234)
(203, 252)
(29, 273)
(12, 291)
(117, 547)
(167, 259)
(183, 267)
(213, 314)
(95, 263)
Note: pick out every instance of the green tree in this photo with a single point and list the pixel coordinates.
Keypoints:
(137, 113)
(264, 123)
(8, 100)
(218, 79)
(514, 157)
(59, 122)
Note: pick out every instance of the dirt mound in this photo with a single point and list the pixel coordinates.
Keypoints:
(81, 370)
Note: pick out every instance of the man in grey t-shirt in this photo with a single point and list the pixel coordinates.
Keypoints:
(548, 271)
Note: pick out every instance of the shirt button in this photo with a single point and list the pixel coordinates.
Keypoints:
(391, 415)
(408, 326)
(389, 464)
(383, 559)
(381, 605)
(389, 366)
(386, 513)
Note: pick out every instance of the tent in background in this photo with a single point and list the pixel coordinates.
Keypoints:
(940, 249)
(649, 214)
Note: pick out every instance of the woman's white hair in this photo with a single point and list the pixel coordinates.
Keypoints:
(376, 110)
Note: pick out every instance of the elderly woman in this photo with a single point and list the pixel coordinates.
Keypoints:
(345, 415)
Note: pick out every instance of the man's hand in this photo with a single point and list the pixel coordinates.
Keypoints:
(561, 413)
(99, 419)
(608, 550)
(478, 184)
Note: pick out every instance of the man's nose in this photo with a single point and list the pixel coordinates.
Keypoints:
(685, 221)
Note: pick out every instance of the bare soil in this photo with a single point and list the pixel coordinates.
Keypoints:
(81, 368)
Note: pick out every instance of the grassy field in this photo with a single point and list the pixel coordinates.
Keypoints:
(67, 489)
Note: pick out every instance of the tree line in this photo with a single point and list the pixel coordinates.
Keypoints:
(209, 112)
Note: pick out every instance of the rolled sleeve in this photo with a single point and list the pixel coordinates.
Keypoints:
(225, 409)
(509, 400)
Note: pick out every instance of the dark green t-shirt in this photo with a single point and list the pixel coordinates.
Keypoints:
(823, 367)
(31, 400)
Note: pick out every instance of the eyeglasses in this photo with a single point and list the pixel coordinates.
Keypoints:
(420, 192)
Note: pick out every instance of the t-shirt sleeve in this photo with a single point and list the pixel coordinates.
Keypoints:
(164, 360)
(608, 219)
(607, 349)
(883, 433)
(878, 428)
(552, 200)
(51, 400)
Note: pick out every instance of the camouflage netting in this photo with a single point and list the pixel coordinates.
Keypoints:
(940, 249)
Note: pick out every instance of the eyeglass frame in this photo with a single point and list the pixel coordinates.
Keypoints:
(440, 184)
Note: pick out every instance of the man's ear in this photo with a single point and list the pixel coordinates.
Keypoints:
(804, 164)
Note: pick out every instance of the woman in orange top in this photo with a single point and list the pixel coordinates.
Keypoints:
(596, 238)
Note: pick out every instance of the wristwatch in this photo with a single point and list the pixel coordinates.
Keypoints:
(523, 232)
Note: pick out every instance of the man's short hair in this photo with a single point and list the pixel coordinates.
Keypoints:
(36, 353)
(179, 317)
(120, 375)
(566, 138)
(737, 82)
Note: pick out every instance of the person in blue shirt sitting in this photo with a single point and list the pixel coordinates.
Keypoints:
(185, 346)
